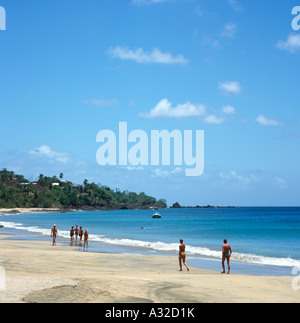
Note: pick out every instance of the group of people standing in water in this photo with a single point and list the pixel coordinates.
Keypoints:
(74, 233)
(79, 232)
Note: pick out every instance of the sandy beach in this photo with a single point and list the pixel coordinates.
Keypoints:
(28, 210)
(36, 272)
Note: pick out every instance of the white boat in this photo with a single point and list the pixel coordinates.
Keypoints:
(156, 216)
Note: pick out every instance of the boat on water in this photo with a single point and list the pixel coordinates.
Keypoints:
(156, 216)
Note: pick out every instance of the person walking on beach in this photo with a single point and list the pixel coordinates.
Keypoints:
(86, 239)
(182, 255)
(54, 234)
(226, 255)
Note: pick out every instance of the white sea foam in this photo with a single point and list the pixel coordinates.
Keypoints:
(12, 225)
(166, 247)
(199, 251)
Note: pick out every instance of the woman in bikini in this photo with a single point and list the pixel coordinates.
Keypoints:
(182, 256)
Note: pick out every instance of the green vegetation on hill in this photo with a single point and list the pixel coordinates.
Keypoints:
(53, 192)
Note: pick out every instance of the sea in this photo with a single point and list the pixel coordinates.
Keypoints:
(265, 240)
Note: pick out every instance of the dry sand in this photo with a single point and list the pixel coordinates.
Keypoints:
(36, 272)
(28, 210)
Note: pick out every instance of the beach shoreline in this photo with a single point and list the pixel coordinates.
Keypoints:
(40, 273)
(144, 242)
(32, 210)
(62, 210)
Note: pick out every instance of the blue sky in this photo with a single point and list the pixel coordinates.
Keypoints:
(71, 68)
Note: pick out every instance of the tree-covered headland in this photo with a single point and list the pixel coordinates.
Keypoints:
(53, 192)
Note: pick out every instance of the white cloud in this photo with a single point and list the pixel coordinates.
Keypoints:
(199, 11)
(207, 40)
(46, 152)
(164, 173)
(292, 44)
(230, 87)
(263, 121)
(229, 31)
(235, 5)
(280, 182)
(131, 168)
(101, 102)
(132, 102)
(140, 56)
(212, 119)
(252, 179)
(164, 109)
(232, 176)
(228, 109)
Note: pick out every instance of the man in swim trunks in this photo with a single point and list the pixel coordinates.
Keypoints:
(182, 255)
(226, 255)
(54, 234)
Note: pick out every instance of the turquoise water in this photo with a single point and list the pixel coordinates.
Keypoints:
(264, 240)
